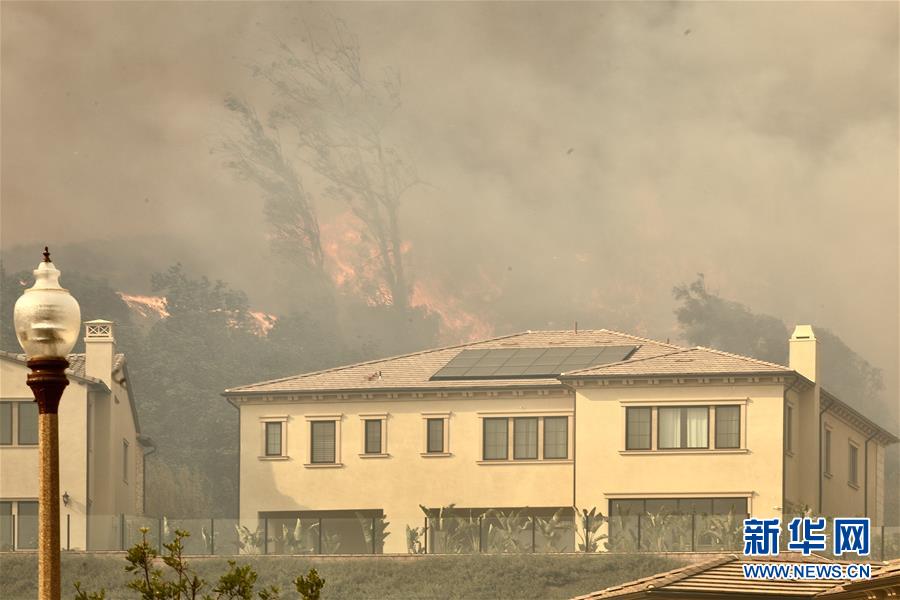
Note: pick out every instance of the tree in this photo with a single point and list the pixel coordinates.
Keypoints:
(339, 118)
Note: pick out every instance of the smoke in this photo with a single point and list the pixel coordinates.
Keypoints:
(581, 158)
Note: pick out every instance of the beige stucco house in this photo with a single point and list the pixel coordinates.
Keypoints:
(101, 450)
(516, 430)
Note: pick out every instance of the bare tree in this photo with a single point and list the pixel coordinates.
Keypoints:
(340, 118)
(255, 154)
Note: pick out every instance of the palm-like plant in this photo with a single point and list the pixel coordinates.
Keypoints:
(591, 521)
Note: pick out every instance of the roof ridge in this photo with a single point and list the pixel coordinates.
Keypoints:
(379, 360)
(642, 339)
(629, 361)
(741, 356)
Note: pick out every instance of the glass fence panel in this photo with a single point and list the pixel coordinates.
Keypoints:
(134, 535)
(200, 539)
(104, 532)
(507, 533)
(291, 535)
(889, 546)
(454, 535)
(7, 533)
(227, 538)
(665, 533)
(347, 535)
(624, 531)
(718, 532)
(555, 534)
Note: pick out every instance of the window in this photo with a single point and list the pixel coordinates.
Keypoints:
(322, 439)
(496, 439)
(6, 526)
(125, 461)
(27, 525)
(728, 427)
(827, 452)
(274, 434)
(525, 438)
(373, 436)
(435, 443)
(27, 429)
(637, 428)
(556, 437)
(789, 428)
(853, 465)
(684, 427)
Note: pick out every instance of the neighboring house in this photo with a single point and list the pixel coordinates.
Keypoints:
(100, 448)
(532, 424)
(723, 578)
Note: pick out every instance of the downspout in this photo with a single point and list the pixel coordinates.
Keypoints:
(866, 475)
(821, 458)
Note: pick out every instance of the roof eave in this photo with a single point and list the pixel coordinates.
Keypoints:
(231, 393)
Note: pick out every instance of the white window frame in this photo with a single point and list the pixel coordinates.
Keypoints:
(363, 417)
(310, 419)
(445, 417)
(283, 419)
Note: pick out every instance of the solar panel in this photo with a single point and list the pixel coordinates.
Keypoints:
(525, 363)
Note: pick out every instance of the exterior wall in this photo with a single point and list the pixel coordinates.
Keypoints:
(92, 425)
(19, 464)
(606, 470)
(801, 486)
(403, 478)
(841, 498)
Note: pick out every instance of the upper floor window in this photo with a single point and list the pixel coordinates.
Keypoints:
(683, 427)
(728, 427)
(274, 434)
(322, 442)
(125, 461)
(525, 438)
(18, 423)
(435, 433)
(556, 437)
(373, 436)
(789, 428)
(496, 439)
(533, 438)
(853, 465)
(637, 428)
(827, 452)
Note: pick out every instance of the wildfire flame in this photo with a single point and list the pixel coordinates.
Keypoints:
(354, 265)
(156, 307)
(147, 306)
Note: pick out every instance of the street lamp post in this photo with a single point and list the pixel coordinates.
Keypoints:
(47, 320)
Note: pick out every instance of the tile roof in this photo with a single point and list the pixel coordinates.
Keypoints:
(76, 364)
(686, 361)
(717, 577)
(414, 371)
(886, 576)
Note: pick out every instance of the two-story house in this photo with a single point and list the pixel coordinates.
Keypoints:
(534, 424)
(101, 449)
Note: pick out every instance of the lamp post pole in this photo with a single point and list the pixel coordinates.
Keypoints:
(47, 320)
(47, 381)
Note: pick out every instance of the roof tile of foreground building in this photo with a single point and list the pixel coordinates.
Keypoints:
(719, 577)
(76, 364)
(885, 579)
(414, 371)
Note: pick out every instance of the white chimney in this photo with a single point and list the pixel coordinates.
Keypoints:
(804, 356)
(99, 350)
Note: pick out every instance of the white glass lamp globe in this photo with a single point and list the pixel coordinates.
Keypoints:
(47, 318)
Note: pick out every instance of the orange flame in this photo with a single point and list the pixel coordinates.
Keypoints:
(146, 306)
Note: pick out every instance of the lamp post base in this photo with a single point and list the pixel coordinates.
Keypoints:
(48, 380)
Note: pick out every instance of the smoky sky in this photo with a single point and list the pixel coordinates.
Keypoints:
(598, 153)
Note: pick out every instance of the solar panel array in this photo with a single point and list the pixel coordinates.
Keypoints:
(523, 363)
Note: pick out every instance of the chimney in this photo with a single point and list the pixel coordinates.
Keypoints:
(99, 350)
(804, 357)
